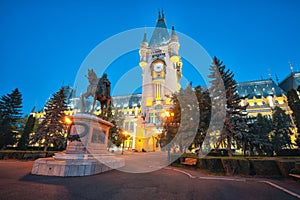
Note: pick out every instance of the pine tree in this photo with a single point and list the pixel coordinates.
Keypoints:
(10, 113)
(24, 140)
(117, 119)
(19, 127)
(52, 130)
(258, 139)
(280, 136)
(218, 105)
(235, 126)
(294, 104)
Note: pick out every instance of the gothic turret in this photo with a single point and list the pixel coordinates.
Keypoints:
(160, 34)
(174, 47)
(143, 51)
(174, 37)
(161, 68)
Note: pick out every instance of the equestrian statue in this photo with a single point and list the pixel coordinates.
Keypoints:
(99, 89)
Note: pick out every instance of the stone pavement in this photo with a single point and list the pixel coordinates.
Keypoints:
(16, 182)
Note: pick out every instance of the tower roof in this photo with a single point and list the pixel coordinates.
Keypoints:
(173, 34)
(160, 34)
(145, 37)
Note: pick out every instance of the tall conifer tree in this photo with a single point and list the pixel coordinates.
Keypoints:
(24, 140)
(52, 130)
(10, 113)
(235, 127)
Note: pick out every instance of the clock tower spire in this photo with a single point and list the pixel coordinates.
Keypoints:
(161, 69)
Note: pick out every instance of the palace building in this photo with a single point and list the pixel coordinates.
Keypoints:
(161, 69)
(262, 96)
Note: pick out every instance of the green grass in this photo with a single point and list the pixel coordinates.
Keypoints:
(241, 157)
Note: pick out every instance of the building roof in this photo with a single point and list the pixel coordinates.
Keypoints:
(160, 34)
(124, 101)
(259, 88)
(292, 81)
(69, 92)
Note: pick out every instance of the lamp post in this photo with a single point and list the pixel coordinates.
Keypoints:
(168, 122)
(68, 121)
(124, 135)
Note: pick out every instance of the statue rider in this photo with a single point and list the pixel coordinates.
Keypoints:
(103, 86)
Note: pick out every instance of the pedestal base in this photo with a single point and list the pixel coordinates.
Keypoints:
(76, 167)
(86, 153)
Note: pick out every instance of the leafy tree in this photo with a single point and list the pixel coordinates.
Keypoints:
(235, 126)
(169, 132)
(294, 104)
(25, 137)
(204, 103)
(280, 136)
(181, 128)
(10, 113)
(189, 119)
(52, 130)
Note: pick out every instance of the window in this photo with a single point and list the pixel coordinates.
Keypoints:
(131, 126)
(126, 125)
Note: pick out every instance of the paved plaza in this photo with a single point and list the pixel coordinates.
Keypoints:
(16, 182)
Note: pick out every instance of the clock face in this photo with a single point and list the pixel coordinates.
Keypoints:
(158, 67)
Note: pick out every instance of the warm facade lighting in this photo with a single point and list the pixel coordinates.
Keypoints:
(68, 121)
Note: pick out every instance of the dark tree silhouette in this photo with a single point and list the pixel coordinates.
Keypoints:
(235, 126)
(258, 139)
(280, 135)
(10, 113)
(294, 104)
(204, 103)
(24, 140)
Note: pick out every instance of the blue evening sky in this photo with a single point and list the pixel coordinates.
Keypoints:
(43, 43)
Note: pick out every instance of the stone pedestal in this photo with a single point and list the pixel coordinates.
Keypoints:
(86, 152)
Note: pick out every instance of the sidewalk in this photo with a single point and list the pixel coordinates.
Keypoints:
(288, 184)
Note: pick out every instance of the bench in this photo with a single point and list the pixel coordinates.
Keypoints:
(295, 176)
(189, 161)
(28, 156)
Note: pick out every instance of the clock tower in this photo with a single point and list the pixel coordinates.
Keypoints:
(161, 69)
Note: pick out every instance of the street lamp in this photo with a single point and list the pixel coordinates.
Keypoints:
(168, 121)
(124, 136)
(68, 121)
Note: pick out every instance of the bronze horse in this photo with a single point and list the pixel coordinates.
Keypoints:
(99, 89)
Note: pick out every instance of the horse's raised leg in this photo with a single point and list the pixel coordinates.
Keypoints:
(94, 102)
(110, 102)
(82, 108)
